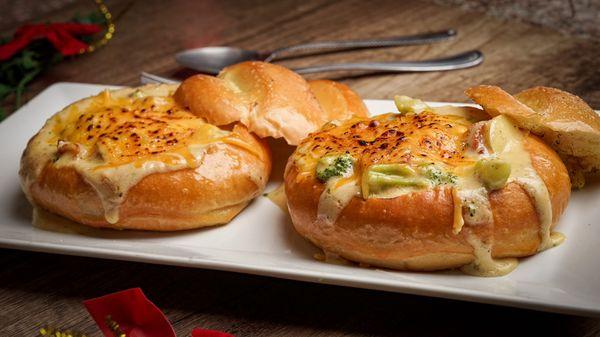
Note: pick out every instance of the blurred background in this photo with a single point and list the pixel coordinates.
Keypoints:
(577, 17)
(527, 42)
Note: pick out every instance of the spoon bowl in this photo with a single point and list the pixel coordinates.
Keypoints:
(211, 60)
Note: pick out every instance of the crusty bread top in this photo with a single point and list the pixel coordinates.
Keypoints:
(387, 189)
(388, 138)
(564, 121)
(117, 138)
(271, 100)
(337, 100)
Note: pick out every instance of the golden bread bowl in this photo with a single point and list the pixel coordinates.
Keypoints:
(427, 189)
(135, 159)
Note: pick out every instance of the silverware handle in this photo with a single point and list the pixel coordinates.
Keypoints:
(407, 40)
(459, 61)
(147, 78)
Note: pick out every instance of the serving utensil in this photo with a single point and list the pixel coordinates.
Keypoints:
(459, 61)
(212, 59)
(147, 78)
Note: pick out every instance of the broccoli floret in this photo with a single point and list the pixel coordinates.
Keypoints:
(439, 177)
(333, 166)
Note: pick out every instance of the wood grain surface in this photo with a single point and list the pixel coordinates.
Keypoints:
(38, 289)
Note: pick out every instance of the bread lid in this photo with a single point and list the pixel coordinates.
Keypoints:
(271, 100)
(563, 120)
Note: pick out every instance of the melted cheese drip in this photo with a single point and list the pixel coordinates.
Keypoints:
(475, 208)
(47, 221)
(457, 220)
(336, 196)
(508, 145)
(112, 182)
(484, 264)
(278, 197)
(471, 198)
(511, 149)
(557, 238)
(115, 141)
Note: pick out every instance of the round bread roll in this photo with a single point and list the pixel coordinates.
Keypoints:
(135, 159)
(270, 100)
(427, 191)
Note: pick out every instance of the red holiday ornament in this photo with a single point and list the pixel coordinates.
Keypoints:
(128, 312)
(61, 35)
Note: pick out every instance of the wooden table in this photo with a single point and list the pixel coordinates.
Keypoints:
(38, 289)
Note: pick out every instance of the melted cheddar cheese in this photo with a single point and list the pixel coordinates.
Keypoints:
(115, 139)
(453, 139)
(125, 129)
(389, 138)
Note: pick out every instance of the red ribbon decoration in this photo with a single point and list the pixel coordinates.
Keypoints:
(132, 311)
(136, 316)
(61, 35)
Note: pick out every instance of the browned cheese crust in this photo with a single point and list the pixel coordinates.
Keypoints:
(114, 130)
(415, 231)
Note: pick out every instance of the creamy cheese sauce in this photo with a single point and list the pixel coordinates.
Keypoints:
(475, 206)
(51, 222)
(507, 144)
(114, 140)
(510, 148)
(113, 182)
(484, 264)
(471, 199)
(278, 197)
(335, 198)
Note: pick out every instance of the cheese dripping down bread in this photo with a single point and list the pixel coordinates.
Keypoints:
(427, 189)
(135, 159)
(563, 120)
(270, 100)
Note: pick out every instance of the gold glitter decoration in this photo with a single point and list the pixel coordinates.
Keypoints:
(114, 327)
(110, 28)
(52, 332)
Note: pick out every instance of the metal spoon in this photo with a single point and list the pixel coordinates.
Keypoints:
(211, 60)
(459, 61)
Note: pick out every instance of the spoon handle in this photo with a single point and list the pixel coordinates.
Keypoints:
(407, 40)
(459, 61)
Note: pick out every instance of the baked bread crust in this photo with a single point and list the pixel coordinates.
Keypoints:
(226, 175)
(337, 100)
(563, 120)
(414, 231)
(270, 100)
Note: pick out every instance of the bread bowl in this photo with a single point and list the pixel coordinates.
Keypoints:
(427, 189)
(134, 158)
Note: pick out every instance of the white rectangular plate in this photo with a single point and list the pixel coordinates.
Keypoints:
(261, 239)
